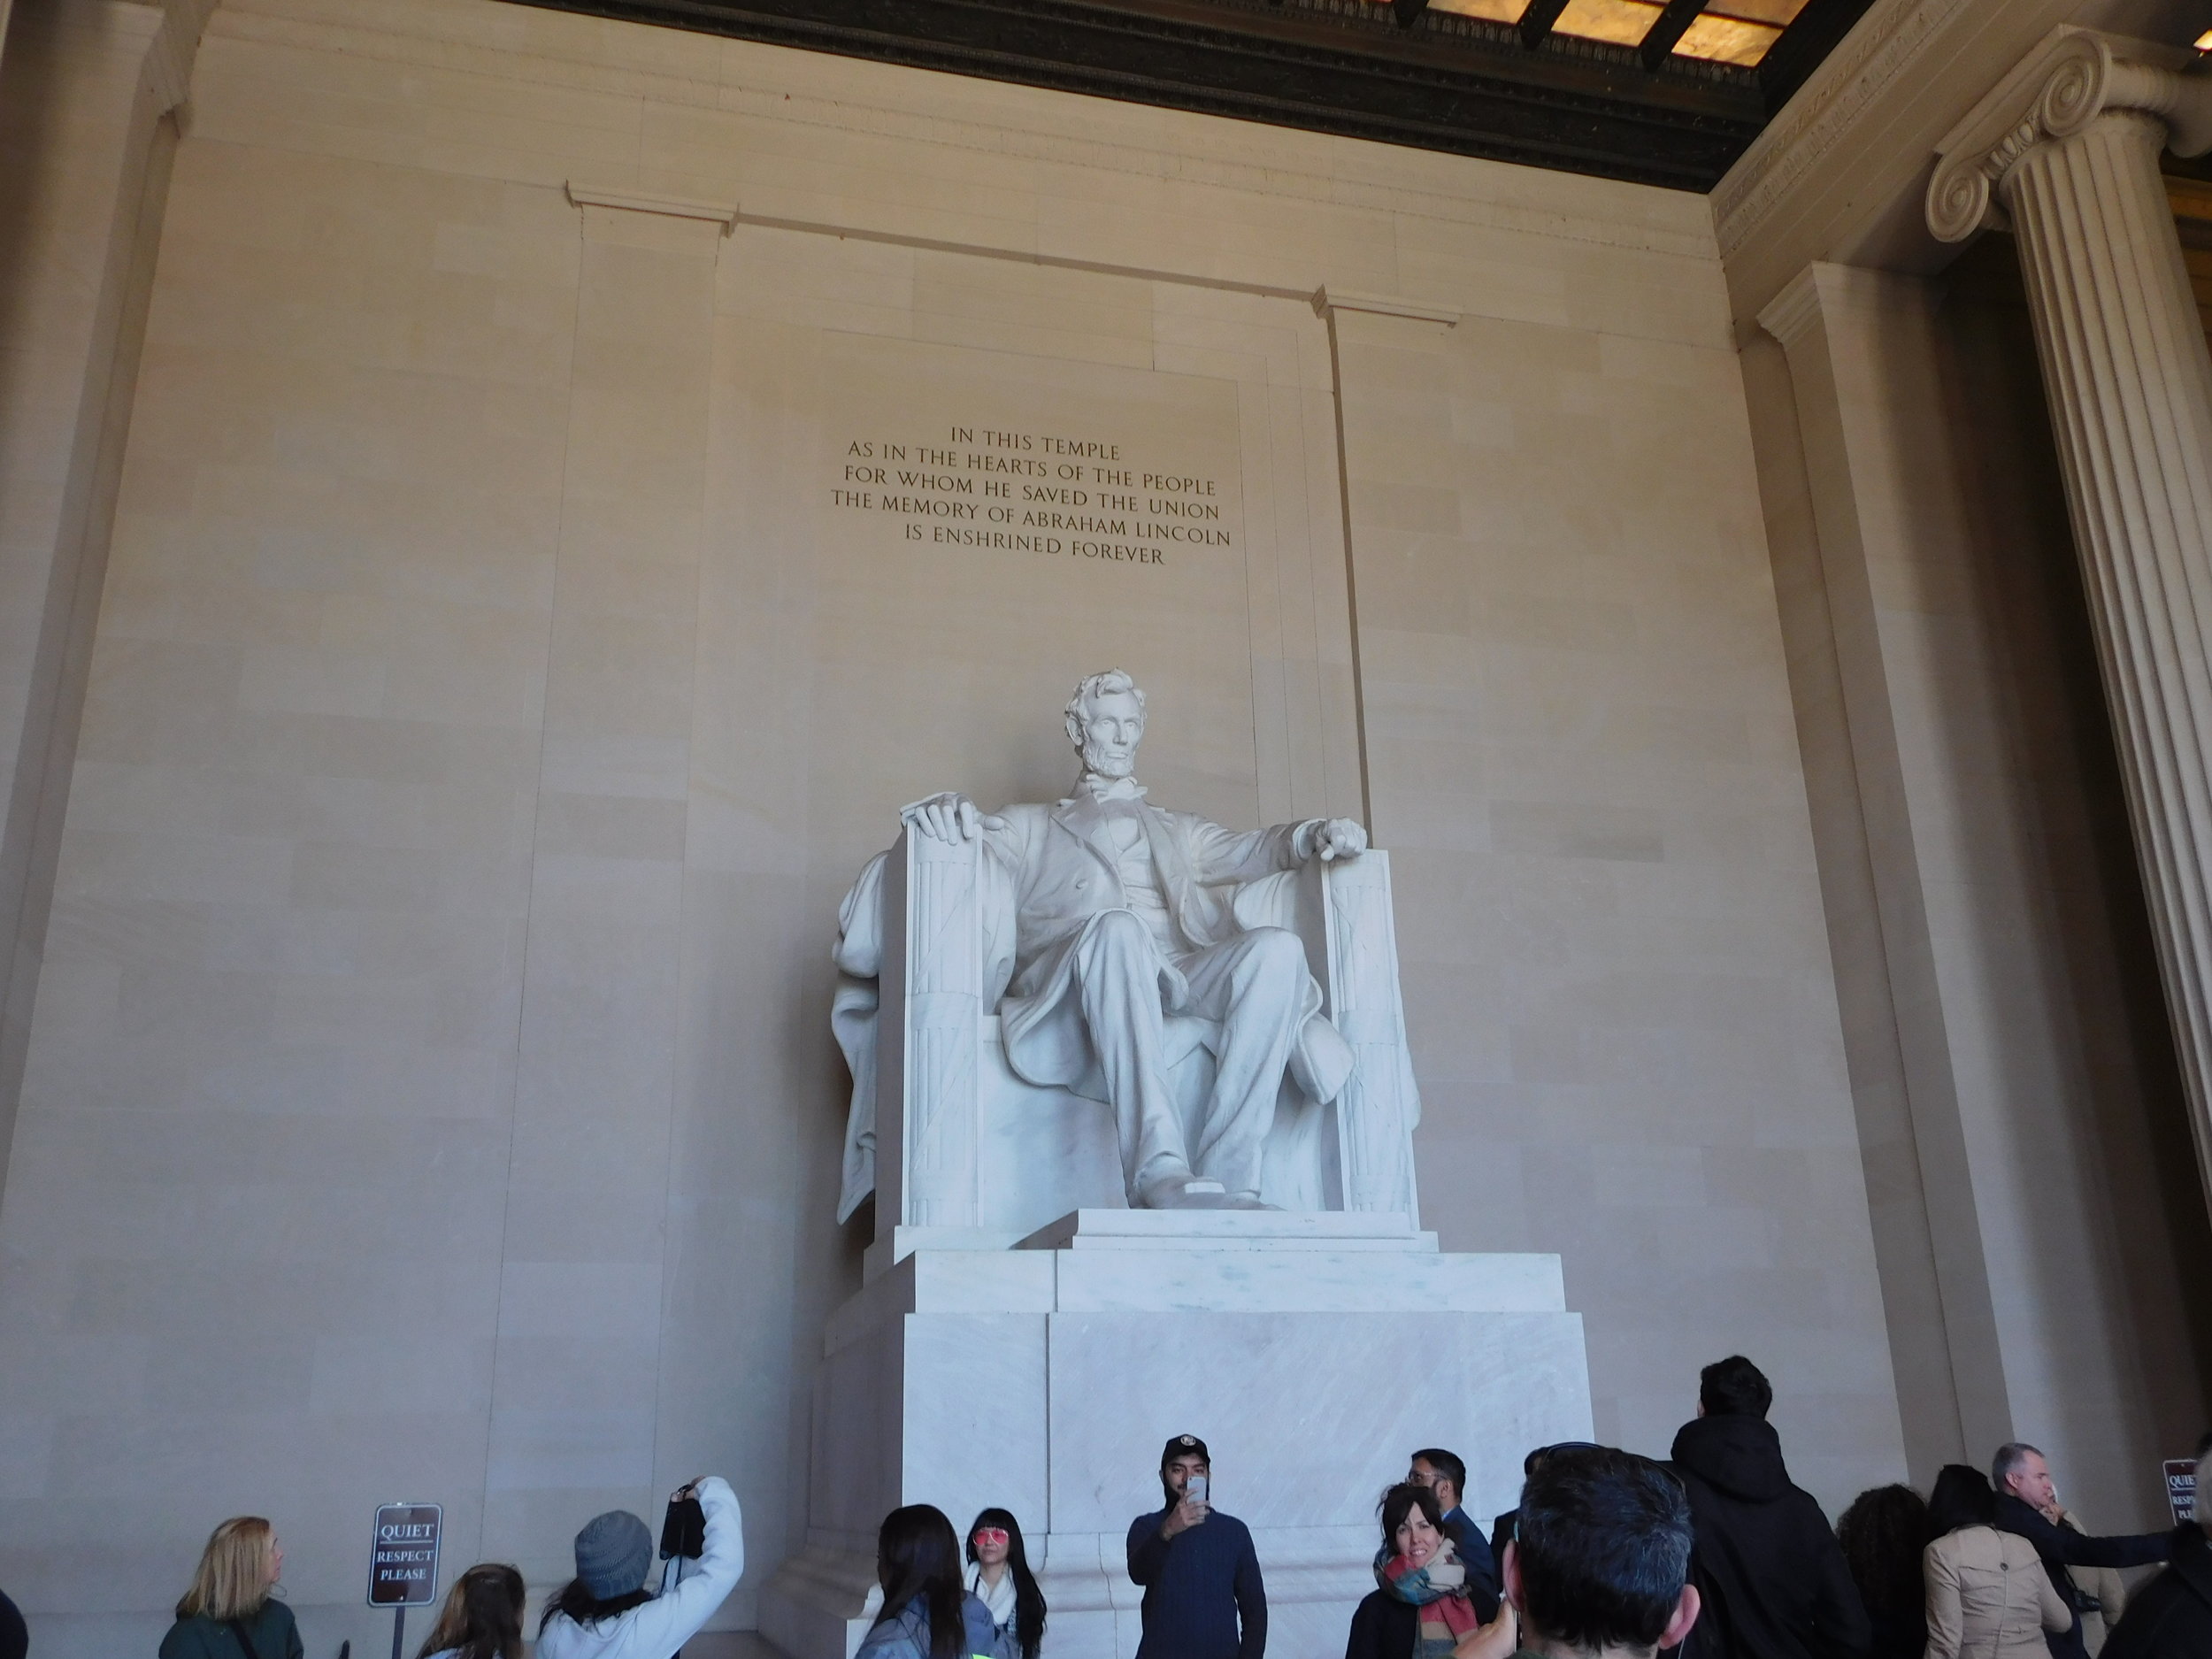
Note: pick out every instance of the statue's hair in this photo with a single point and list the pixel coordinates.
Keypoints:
(1112, 683)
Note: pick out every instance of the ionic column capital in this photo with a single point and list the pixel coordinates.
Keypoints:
(2066, 83)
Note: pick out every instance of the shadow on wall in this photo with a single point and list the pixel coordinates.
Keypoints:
(60, 566)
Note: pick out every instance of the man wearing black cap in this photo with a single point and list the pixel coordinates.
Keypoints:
(1202, 1595)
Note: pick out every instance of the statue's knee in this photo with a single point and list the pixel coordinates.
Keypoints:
(1278, 950)
(1115, 933)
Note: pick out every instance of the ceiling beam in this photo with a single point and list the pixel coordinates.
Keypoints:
(1536, 22)
(1819, 30)
(1339, 66)
(1666, 34)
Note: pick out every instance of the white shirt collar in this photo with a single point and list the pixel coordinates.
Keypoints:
(1099, 788)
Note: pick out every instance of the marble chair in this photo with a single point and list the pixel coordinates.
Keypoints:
(952, 1141)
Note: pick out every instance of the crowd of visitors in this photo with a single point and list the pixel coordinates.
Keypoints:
(1995, 1567)
(1714, 1555)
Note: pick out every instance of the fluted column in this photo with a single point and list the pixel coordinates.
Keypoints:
(2066, 150)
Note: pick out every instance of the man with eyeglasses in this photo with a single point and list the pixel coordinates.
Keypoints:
(1444, 1473)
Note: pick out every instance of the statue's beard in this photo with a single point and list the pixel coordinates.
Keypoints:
(1109, 766)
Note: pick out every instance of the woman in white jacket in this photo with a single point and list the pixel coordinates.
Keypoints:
(605, 1612)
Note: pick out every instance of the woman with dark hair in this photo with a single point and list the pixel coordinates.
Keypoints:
(999, 1577)
(231, 1611)
(1420, 1609)
(1988, 1596)
(927, 1612)
(481, 1617)
(1882, 1535)
(606, 1612)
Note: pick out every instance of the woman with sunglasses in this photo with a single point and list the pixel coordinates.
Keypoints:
(999, 1577)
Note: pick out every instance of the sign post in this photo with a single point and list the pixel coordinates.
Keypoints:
(403, 1561)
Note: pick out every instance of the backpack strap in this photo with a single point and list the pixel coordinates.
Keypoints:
(238, 1629)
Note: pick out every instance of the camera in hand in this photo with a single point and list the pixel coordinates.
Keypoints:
(684, 1530)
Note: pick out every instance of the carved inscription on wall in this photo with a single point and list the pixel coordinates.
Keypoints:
(1032, 492)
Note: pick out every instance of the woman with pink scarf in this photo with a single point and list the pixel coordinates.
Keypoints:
(1420, 1609)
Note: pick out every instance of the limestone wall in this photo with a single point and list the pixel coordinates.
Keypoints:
(429, 1094)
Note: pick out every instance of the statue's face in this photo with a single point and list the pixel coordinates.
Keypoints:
(1113, 726)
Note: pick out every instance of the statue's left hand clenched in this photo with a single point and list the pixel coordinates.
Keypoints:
(1336, 838)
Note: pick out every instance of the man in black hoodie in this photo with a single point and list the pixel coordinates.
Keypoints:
(1767, 1567)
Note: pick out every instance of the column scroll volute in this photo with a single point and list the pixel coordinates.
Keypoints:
(2071, 78)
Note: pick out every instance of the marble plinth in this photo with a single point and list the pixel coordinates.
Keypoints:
(1312, 1353)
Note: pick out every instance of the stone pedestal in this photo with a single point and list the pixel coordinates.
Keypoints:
(1312, 1352)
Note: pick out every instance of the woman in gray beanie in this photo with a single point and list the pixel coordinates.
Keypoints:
(605, 1612)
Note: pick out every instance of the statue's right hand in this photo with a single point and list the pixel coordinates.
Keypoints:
(952, 817)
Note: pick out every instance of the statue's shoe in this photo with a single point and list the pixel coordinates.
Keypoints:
(1244, 1201)
(1184, 1192)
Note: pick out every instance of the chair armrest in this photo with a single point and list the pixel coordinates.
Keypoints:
(1381, 1103)
(926, 1150)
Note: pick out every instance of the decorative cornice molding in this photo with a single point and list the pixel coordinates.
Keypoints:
(160, 39)
(2071, 78)
(169, 65)
(1824, 288)
(1823, 113)
(724, 213)
(1791, 314)
(1326, 300)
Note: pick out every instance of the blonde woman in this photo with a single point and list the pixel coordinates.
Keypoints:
(231, 1611)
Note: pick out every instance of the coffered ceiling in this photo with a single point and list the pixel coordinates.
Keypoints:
(1666, 92)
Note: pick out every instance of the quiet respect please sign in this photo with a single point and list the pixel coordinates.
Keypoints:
(403, 1557)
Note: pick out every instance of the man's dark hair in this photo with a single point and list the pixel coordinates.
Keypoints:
(1603, 1545)
(1446, 1465)
(1734, 1387)
(1529, 1463)
(1401, 1500)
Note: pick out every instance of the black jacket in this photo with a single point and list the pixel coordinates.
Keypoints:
(1767, 1568)
(1473, 1550)
(2061, 1547)
(2171, 1617)
(1383, 1627)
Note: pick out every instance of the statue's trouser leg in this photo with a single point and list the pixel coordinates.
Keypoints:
(1255, 986)
(1117, 972)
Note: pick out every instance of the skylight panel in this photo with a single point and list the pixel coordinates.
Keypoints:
(1738, 32)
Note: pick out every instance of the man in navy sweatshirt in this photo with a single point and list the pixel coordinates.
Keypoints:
(1202, 1595)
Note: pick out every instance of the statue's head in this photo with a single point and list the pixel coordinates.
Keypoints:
(1105, 719)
